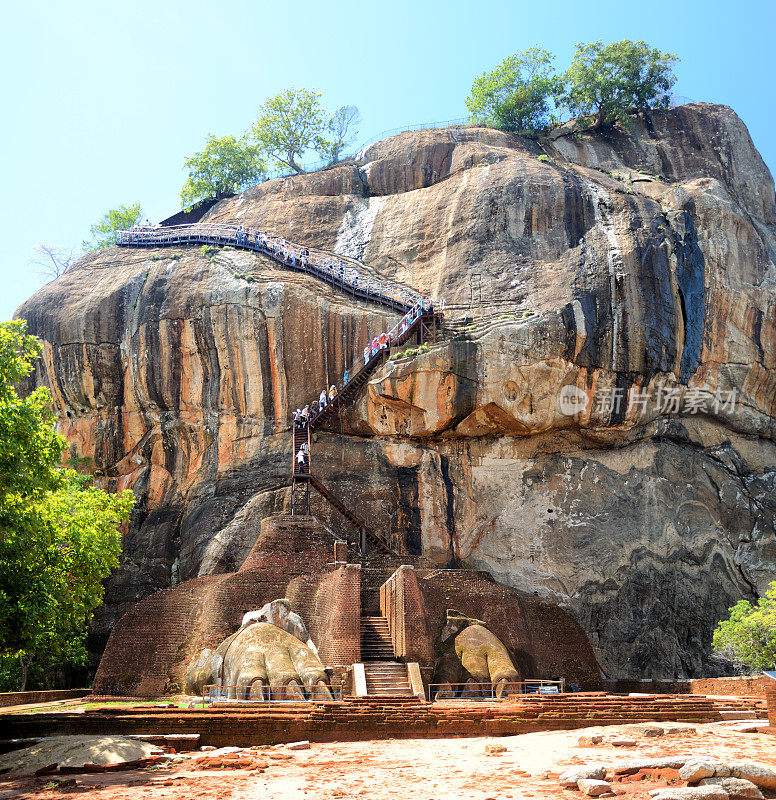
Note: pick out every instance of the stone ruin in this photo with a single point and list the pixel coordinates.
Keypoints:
(206, 631)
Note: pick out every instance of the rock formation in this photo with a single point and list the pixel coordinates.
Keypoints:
(630, 273)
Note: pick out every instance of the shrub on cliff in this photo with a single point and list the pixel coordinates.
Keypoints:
(59, 538)
(224, 167)
(517, 95)
(748, 636)
(611, 81)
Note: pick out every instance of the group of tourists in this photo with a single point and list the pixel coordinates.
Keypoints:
(293, 255)
(303, 459)
(303, 416)
(143, 229)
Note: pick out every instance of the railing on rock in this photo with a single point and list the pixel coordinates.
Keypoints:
(489, 691)
(293, 256)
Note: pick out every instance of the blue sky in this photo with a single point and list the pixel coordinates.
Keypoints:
(104, 100)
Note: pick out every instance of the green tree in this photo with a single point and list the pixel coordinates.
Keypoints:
(517, 95)
(288, 125)
(748, 636)
(58, 534)
(611, 81)
(114, 219)
(224, 167)
(341, 128)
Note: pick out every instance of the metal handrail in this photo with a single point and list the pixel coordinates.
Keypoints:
(358, 152)
(395, 337)
(487, 691)
(287, 253)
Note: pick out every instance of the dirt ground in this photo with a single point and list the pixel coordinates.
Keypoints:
(406, 769)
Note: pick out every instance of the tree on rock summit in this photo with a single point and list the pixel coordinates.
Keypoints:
(516, 95)
(121, 218)
(226, 166)
(294, 121)
(611, 81)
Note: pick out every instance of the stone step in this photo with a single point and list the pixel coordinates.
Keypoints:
(387, 678)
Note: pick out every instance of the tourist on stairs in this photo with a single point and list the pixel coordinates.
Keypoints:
(366, 355)
(322, 399)
(332, 393)
(300, 460)
(345, 378)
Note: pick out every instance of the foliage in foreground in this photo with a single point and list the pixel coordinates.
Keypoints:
(115, 219)
(748, 636)
(605, 82)
(224, 167)
(59, 534)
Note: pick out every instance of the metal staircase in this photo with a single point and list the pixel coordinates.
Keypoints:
(420, 319)
(366, 534)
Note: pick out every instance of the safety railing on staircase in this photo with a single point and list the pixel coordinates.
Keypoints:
(419, 317)
(293, 256)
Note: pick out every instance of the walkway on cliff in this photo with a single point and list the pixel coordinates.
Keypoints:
(420, 320)
(293, 256)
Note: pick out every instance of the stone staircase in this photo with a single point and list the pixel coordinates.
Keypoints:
(376, 644)
(387, 679)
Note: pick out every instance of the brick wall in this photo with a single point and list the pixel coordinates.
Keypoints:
(544, 640)
(337, 613)
(770, 699)
(274, 723)
(43, 696)
(738, 686)
(151, 646)
(402, 604)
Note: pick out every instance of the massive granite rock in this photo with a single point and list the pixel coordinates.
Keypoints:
(637, 262)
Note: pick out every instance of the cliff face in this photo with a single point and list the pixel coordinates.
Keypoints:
(639, 263)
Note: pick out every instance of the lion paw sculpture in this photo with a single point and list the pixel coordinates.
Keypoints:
(472, 660)
(264, 660)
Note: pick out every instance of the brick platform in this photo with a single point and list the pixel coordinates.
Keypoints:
(274, 723)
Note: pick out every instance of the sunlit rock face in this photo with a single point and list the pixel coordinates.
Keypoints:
(596, 426)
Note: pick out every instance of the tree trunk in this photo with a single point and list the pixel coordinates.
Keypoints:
(25, 665)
